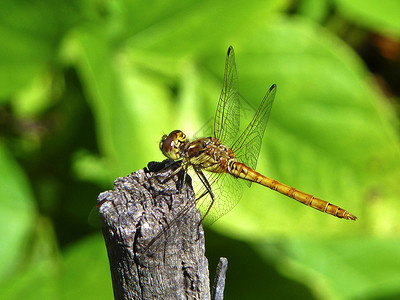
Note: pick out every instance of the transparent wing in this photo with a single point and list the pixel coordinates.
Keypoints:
(94, 218)
(247, 146)
(227, 116)
(204, 131)
(227, 192)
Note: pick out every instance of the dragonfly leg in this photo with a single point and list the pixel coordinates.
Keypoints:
(205, 182)
(209, 191)
(175, 172)
(184, 177)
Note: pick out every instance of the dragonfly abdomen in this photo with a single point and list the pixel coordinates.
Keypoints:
(242, 171)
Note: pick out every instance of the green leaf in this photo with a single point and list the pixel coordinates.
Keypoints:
(130, 79)
(29, 43)
(316, 10)
(363, 267)
(381, 16)
(330, 134)
(86, 271)
(17, 215)
(82, 272)
(209, 25)
(123, 103)
(37, 272)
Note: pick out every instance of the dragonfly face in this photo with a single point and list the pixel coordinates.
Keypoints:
(173, 145)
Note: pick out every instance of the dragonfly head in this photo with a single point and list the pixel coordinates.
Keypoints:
(172, 145)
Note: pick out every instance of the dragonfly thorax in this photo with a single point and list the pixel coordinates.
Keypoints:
(173, 145)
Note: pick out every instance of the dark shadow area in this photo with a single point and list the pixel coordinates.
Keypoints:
(394, 297)
(248, 275)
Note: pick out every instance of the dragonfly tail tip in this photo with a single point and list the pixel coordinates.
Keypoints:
(351, 217)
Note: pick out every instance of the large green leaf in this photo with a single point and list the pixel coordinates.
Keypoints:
(381, 16)
(130, 79)
(17, 214)
(330, 134)
(30, 35)
(37, 272)
(86, 272)
(81, 272)
(360, 268)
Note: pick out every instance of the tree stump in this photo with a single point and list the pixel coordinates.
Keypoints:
(154, 239)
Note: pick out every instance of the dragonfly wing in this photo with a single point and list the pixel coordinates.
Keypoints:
(94, 218)
(227, 192)
(227, 116)
(247, 146)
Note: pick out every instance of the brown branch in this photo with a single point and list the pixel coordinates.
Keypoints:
(219, 281)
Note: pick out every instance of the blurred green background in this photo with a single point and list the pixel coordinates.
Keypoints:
(87, 88)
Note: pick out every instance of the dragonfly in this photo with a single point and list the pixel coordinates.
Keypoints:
(225, 158)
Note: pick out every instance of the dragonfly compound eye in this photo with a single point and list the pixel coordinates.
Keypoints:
(162, 142)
